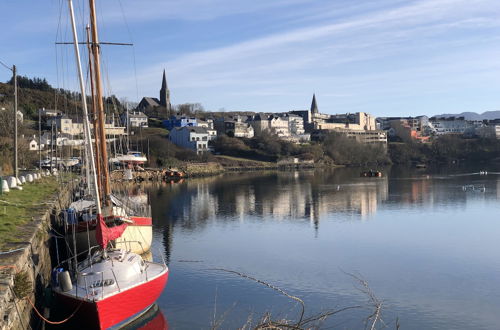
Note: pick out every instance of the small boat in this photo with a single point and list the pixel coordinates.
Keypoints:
(132, 158)
(421, 165)
(371, 174)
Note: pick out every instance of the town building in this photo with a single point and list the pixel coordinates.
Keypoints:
(208, 123)
(490, 131)
(75, 127)
(271, 123)
(49, 112)
(180, 121)
(135, 119)
(33, 144)
(235, 126)
(148, 103)
(409, 128)
(454, 125)
(192, 137)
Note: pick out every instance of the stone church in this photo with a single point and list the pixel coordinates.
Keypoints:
(150, 103)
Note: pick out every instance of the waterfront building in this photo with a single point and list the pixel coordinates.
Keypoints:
(490, 131)
(192, 137)
(455, 125)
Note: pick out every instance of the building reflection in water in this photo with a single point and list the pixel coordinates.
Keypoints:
(273, 196)
(297, 196)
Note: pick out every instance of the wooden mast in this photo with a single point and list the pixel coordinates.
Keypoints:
(94, 113)
(100, 106)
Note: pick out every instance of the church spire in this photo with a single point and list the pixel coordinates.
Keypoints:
(314, 106)
(165, 93)
(164, 82)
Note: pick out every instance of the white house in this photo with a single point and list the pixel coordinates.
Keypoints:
(33, 144)
(136, 119)
(193, 137)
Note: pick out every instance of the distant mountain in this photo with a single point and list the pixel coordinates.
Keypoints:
(489, 115)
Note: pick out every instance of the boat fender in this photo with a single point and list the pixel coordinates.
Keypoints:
(65, 281)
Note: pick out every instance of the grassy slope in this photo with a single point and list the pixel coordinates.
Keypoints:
(27, 203)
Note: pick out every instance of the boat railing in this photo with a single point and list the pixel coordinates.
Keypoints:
(84, 275)
(68, 260)
(130, 245)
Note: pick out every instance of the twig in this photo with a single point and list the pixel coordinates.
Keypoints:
(269, 286)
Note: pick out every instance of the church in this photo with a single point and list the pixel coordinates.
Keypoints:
(150, 103)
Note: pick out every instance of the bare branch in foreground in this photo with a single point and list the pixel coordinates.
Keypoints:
(309, 323)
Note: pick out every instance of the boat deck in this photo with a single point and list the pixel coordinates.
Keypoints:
(119, 271)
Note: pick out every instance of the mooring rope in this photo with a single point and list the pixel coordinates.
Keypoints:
(54, 322)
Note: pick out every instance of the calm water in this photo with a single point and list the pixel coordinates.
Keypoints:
(428, 249)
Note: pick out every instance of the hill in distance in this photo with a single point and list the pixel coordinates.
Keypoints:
(488, 115)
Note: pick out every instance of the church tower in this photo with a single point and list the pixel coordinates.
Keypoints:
(165, 94)
(314, 106)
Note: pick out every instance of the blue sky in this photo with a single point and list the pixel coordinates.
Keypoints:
(385, 57)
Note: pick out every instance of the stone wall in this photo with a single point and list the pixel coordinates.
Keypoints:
(30, 256)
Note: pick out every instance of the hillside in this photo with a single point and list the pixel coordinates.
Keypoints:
(32, 99)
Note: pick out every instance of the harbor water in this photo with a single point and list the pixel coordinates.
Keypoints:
(425, 242)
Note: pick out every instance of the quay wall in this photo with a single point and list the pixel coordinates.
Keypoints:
(27, 268)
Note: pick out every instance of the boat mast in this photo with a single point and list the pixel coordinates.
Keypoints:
(94, 111)
(128, 128)
(100, 106)
(88, 142)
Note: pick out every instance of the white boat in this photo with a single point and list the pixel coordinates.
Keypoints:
(131, 158)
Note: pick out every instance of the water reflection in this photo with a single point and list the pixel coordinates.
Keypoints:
(306, 196)
(273, 196)
(152, 319)
(426, 245)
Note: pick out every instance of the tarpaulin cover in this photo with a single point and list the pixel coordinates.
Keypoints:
(104, 234)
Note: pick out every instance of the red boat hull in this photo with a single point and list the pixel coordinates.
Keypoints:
(115, 309)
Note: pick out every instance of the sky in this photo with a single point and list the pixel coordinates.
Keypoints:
(384, 57)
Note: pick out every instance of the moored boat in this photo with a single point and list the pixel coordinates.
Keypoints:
(112, 288)
(371, 174)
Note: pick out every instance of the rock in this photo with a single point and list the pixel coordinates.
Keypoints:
(30, 178)
(22, 178)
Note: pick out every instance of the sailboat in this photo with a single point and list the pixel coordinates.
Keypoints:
(111, 285)
(80, 217)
